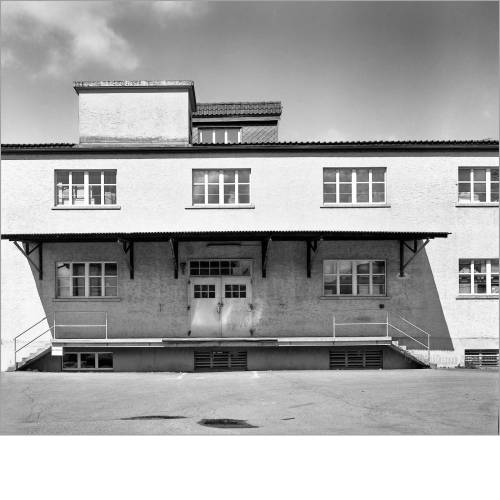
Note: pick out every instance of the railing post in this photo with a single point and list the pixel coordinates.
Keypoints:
(387, 324)
(334, 326)
(106, 313)
(428, 349)
(54, 325)
(15, 352)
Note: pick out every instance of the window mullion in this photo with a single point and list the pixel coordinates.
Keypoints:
(102, 187)
(236, 184)
(354, 189)
(471, 276)
(471, 185)
(206, 187)
(370, 278)
(354, 278)
(488, 185)
(488, 277)
(337, 187)
(86, 279)
(70, 279)
(70, 188)
(370, 185)
(221, 187)
(86, 188)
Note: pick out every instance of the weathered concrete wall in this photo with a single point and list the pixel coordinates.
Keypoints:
(134, 117)
(182, 359)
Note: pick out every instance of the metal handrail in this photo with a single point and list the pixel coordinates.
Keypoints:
(28, 329)
(409, 336)
(387, 325)
(415, 326)
(32, 340)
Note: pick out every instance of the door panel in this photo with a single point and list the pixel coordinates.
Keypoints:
(205, 316)
(236, 312)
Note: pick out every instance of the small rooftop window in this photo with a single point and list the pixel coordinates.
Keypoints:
(220, 135)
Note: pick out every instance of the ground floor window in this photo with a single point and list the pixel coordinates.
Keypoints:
(86, 279)
(88, 361)
(354, 277)
(478, 276)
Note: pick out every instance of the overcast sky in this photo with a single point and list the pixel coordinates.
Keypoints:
(343, 70)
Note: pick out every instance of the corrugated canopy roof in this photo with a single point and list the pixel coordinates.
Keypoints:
(278, 235)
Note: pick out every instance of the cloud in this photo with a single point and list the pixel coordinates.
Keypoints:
(175, 10)
(76, 33)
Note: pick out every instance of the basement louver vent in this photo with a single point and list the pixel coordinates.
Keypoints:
(355, 359)
(220, 360)
(479, 358)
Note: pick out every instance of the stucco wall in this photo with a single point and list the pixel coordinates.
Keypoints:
(134, 117)
(155, 193)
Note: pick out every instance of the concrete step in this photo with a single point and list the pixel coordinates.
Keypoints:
(34, 355)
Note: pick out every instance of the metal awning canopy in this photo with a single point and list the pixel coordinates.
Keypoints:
(408, 240)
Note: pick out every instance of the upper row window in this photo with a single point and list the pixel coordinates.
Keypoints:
(478, 185)
(221, 187)
(354, 185)
(85, 187)
(220, 135)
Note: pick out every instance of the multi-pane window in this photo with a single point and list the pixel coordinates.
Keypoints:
(88, 361)
(221, 187)
(231, 135)
(478, 276)
(232, 291)
(478, 185)
(204, 291)
(354, 277)
(86, 279)
(85, 187)
(220, 268)
(353, 185)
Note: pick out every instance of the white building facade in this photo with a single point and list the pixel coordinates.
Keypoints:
(184, 236)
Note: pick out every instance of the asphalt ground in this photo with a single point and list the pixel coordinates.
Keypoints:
(379, 402)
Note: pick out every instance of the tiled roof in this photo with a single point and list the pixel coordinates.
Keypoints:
(208, 109)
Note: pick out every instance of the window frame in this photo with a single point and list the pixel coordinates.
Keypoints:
(471, 183)
(354, 184)
(246, 261)
(86, 188)
(354, 279)
(201, 130)
(96, 361)
(489, 274)
(86, 277)
(221, 184)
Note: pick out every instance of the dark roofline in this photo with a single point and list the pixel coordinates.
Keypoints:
(230, 109)
(388, 146)
(278, 235)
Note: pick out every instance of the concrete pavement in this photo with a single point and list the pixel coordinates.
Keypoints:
(284, 402)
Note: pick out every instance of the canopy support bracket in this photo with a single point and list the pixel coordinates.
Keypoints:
(128, 248)
(265, 246)
(415, 250)
(27, 251)
(174, 248)
(311, 246)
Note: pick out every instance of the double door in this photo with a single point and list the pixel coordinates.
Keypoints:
(220, 306)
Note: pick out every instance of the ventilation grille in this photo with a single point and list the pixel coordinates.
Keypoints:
(355, 359)
(220, 360)
(478, 358)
